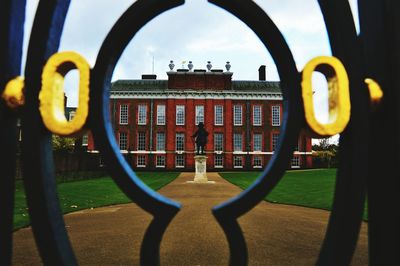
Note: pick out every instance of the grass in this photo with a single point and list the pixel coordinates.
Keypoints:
(86, 194)
(308, 188)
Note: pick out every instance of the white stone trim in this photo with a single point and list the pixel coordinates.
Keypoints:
(302, 153)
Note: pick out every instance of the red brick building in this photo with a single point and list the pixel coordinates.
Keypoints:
(155, 119)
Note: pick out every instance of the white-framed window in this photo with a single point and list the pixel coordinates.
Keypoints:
(237, 161)
(199, 114)
(141, 144)
(161, 115)
(257, 161)
(180, 141)
(160, 141)
(218, 161)
(123, 141)
(296, 162)
(257, 115)
(276, 115)
(142, 114)
(237, 115)
(219, 115)
(237, 142)
(71, 115)
(101, 162)
(257, 142)
(141, 161)
(123, 114)
(275, 138)
(179, 160)
(85, 140)
(180, 115)
(218, 141)
(160, 161)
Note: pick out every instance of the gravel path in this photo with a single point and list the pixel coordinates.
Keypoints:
(276, 234)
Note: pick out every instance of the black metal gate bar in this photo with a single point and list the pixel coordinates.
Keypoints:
(228, 212)
(362, 153)
(38, 170)
(12, 16)
(349, 197)
(380, 36)
(162, 208)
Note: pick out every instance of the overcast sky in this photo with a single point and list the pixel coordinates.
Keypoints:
(197, 31)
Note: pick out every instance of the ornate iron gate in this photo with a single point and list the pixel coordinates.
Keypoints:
(368, 145)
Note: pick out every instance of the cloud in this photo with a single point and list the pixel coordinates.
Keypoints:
(196, 31)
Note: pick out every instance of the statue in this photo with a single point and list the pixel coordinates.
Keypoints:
(201, 138)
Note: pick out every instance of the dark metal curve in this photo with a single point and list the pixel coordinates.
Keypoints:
(293, 120)
(379, 37)
(38, 169)
(11, 35)
(162, 208)
(349, 197)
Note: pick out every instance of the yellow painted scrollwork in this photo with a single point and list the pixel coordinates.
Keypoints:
(13, 93)
(339, 98)
(51, 96)
(375, 90)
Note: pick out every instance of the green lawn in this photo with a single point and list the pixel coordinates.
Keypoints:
(85, 194)
(309, 188)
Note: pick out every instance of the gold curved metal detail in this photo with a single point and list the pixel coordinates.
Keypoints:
(339, 97)
(13, 93)
(51, 95)
(375, 90)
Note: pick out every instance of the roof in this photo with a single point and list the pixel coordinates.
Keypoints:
(162, 85)
(139, 84)
(251, 85)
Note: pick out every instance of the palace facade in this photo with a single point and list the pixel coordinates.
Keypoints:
(154, 121)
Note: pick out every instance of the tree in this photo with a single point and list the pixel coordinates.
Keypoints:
(325, 153)
(63, 144)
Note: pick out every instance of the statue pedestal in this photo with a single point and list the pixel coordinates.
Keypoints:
(201, 169)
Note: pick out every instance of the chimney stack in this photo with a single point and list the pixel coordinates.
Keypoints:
(261, 73)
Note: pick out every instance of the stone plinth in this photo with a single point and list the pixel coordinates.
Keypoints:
(201, 169)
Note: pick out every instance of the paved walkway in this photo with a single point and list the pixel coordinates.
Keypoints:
(276, 234)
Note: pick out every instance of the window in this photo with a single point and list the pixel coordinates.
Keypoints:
(123, 114)
(160, 114)
(219, 115)
(237, 142)
(296, 162)
(199, 114)
(71, 115)
(257, 142)
(180, 114)
(160, 145)
(141, 160)
(180, 142)
(142, 114)
(160, 161)
(275, 138)
(123, 141)
(237, 162)
(101, 162)
(218, 142)
(237, 115)
(141, 145)
(257, 161)
(276, 115)
(257, 115)
(85, 140)
(219, 161)
(179, 160)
